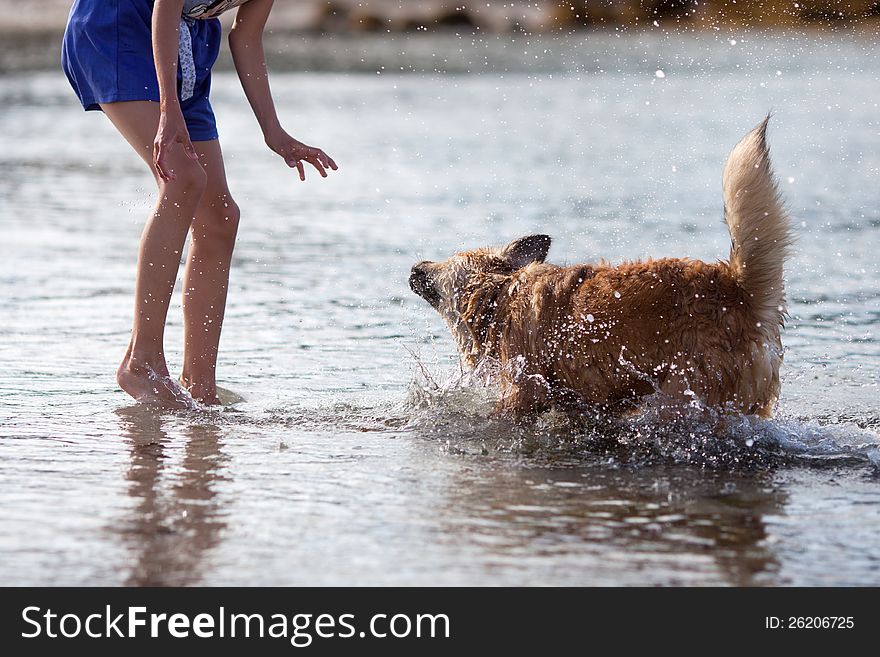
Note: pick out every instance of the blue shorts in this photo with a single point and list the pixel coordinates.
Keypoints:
(107, 54)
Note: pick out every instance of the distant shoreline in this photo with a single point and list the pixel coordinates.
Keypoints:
(437, 51)
(498, 16)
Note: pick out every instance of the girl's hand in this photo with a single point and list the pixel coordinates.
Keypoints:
(172, 130)
(295, 152)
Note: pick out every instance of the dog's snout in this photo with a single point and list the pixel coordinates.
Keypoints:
(418, 278)
(420, 282)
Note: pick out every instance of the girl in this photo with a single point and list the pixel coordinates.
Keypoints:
(147, 65)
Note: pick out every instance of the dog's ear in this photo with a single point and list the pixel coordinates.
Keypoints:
(526, 250)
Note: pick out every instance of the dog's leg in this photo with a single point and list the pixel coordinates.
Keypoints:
(683, 394)
(523, 397)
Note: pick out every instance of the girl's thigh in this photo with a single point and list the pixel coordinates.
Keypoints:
(211, 158)
(137, 121)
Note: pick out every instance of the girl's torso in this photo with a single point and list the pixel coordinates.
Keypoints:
(208, 8)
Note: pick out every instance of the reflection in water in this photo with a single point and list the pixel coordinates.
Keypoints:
(605, 525)
(176, 518)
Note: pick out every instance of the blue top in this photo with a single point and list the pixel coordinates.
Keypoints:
(208, 8)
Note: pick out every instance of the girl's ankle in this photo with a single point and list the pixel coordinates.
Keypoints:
(201, 390)
(147, 361)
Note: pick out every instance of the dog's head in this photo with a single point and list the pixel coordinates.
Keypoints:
(452, 286)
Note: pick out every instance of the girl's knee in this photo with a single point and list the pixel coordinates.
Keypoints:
(217, 222)
(225, 217)
(230, 212)
(226, 222)
(189, 178)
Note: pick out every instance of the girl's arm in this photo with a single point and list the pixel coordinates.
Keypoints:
(172, 127)
(246, 44)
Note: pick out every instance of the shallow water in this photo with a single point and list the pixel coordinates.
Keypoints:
(346, 464)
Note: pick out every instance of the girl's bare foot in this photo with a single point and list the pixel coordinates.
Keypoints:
(151, 385)
(203, 394)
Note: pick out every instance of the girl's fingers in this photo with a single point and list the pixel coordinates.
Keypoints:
(160, 148)
(314, 156)
(323, 159)
(328, 161)
(315, 162)
(183, 139)
(294, 163)
(159, 159)
(190, 149)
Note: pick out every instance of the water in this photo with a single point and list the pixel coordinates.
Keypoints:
(347, 464)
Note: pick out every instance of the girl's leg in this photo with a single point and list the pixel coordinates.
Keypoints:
(144, 373)
(206, 277)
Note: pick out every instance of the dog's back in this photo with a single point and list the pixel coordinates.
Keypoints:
(610, 335)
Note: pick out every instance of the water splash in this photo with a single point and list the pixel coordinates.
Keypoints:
(458, 409)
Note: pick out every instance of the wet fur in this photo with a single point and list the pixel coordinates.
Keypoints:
(607, 335)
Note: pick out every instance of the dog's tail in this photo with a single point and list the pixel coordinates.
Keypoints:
(760, 229)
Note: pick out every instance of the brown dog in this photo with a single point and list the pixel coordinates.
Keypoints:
(609, 336)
